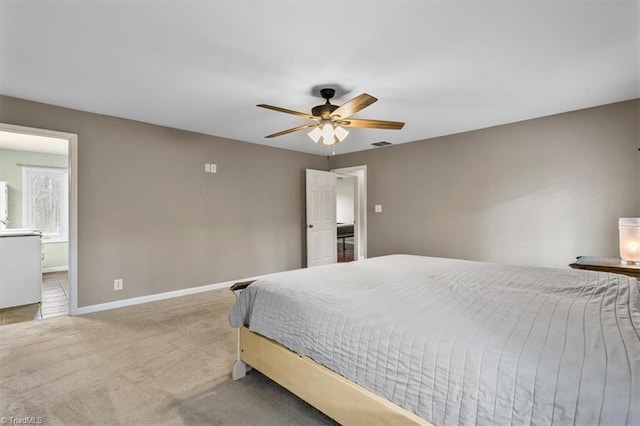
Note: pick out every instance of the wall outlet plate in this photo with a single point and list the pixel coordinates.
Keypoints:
(118, 284)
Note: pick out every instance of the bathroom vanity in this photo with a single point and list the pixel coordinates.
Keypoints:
(20, 267)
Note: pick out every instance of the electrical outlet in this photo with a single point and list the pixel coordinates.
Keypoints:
(207, 168)
(118, 284)
(214, 168)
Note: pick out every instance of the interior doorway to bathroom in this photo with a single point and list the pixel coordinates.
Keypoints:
(39, 172)
(345, 217)
(351, 213)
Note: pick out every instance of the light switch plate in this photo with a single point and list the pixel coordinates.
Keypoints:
(378, 208)
(214, 168)
(207, 168)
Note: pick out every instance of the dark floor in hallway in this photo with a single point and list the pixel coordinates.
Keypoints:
(345, 250)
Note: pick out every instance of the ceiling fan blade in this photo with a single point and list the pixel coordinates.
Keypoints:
(287, 111)
(295, 129)
(354, 105)
(371, 124)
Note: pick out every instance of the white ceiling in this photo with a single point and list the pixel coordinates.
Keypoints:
(24, 142)
(442, 67)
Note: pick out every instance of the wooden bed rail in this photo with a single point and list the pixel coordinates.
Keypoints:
(331, 393)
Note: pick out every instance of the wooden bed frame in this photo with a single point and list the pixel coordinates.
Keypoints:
(329, 392)
(334, 395)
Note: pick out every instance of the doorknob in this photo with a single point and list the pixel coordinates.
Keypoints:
(310, 225)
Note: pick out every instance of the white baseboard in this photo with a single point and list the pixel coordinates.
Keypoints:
(151, 298)
(55, 269)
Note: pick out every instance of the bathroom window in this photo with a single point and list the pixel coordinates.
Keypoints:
(44, 202)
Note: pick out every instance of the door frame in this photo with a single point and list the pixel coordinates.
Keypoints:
(360, 173)
(72, 158)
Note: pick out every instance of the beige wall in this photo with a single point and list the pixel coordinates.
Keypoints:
(148, 213)
(538, 192)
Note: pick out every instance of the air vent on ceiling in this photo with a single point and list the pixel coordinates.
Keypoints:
(381, 143)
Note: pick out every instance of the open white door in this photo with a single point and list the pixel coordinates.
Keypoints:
(321, 218)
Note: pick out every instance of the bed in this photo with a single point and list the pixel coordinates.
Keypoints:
(454, 342)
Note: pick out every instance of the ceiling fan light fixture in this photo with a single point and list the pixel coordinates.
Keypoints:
(340, 133)
(327, 134)
(315, 134)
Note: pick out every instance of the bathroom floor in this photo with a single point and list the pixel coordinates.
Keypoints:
(55, 301)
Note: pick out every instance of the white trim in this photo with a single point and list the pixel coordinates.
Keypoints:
(153, 297)
(360, 172)
(59, 269)
(73, 224)
(72, 139)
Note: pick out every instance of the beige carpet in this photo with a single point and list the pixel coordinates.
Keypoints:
(165, 362)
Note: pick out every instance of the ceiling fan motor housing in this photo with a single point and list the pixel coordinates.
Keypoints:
(324, 111)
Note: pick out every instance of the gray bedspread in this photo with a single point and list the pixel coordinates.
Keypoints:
(461, 342)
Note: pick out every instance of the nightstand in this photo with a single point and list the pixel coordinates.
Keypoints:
(604, 264)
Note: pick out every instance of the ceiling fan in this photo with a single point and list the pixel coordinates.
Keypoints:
(328, 118)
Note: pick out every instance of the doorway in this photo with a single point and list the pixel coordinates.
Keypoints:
(345, 217)
(351, 213)
(41, 165)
